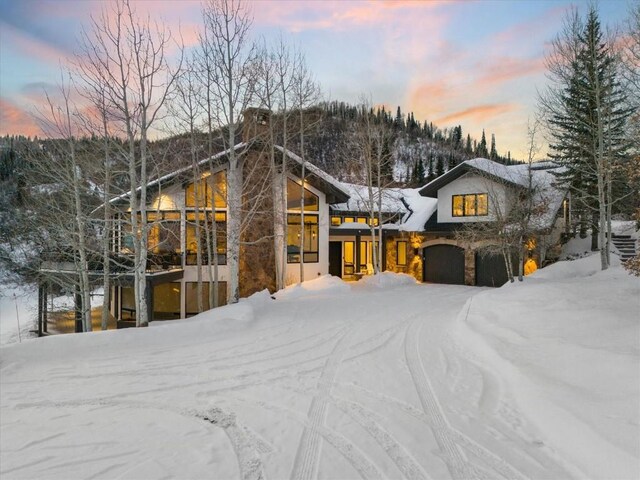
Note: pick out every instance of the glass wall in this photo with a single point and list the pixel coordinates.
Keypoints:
(166, 301)
(191, 292)
(192, 240)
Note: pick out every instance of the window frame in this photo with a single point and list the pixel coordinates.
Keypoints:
(464, 197)
(191, 256)
(406, 253)
(314, 255)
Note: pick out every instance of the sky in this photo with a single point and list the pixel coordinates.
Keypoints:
(477, 64)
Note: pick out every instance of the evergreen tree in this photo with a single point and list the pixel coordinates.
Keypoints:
(493, 155)
(468, 148)
(587, 116)
(420, 173)
(439, 166)
(481, 149)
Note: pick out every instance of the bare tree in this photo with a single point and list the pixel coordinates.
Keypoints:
(186, 110)
(62, 170)
(306, 93)
(127, 57)
(226, 25)
(374, 156)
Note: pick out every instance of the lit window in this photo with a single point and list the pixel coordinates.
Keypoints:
(470, 205)
(191, 296)
(458, 206)
(482, 204)
(193, 241)
(362, 220)
(336, 221)
(348, 220)
(294, 237)
(212, 189)
(401, 253)
(294, 192)
(166, 301)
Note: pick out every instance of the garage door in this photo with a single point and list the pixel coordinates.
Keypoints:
(444, 264)
(491, 270)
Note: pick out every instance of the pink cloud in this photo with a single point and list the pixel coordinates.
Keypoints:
(478, 113)
(312, 15)
(505, 69)
(16, 121)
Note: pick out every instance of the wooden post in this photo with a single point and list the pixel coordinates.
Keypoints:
(78, 310)
(45, 316)
(149, 288)
(40, 309)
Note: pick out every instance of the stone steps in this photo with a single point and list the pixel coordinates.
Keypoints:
(625, 245)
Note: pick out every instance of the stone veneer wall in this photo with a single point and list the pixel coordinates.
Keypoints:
(257, 256)
(414, 261)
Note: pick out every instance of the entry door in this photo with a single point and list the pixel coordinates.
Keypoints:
(349, 258)
(335, 259)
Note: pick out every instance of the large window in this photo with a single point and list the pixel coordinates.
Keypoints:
(127, 304)
(164, 232)
(192, 240)
(191, 290)
(212, 189)
(470, 205)
(295, 227)
(166, 301)
(294, 237)
(294, 197)
(366, 253)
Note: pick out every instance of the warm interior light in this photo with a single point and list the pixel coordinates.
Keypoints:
(530, 266)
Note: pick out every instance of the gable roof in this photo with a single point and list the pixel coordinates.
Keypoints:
(547, 192)
(483, 166)
(318, 178)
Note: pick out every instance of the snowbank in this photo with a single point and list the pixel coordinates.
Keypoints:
(386, 280)
(323, 285)
(567, 346)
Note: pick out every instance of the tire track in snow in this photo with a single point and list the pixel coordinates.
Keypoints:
(367, 419)
(456, 462)
(305, 466)
(249, 461)
(358, 459)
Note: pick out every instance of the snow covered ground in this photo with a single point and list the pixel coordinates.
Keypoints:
(380, 379)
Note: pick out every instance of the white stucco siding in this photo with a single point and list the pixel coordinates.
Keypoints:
(497, 195)
(313, 270)
(169, 198)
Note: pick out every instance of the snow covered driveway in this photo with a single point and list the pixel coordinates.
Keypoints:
(367, 383)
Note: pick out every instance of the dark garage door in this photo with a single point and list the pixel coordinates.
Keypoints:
(444, 264)
(491, 270)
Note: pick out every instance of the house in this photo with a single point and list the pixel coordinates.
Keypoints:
(351, 247)
(421, 227)
(418, 227)
(481, 190)
(181, 209)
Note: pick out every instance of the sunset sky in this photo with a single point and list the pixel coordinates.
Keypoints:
(477, 64)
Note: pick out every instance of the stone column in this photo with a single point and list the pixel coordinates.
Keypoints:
(469, 266)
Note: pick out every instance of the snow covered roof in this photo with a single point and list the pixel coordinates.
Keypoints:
(326, 181)
(484, 166)
(547, 192)
(413, 208)
(420, 210)
(359, 199)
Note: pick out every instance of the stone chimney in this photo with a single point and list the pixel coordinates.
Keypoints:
(255, 123)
